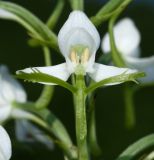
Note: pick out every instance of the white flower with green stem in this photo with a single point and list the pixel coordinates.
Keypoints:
(11, 91)
(127, 40)
(78, 41)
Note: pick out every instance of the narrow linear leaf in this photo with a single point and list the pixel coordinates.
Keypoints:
(44, 78)
(138, 147)
(51, 22)
(35, 26)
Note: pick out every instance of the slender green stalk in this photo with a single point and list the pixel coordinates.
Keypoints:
(53, 19)
(81, 122)
(92, 138)
(116, 56)
(77, 4)
(47, 56)
(47, 92)
(130, 119)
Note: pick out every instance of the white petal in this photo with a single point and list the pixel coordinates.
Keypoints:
(59, 71)
(127, 38)
(10, 89)
(27, 132)
(103, 72)
(78, 29)
(5, 145)
(6, 15)
(142, 64)
(5, 112)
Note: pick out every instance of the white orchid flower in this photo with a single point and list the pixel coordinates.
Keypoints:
(10, 91)
(127, 39)
(27, 132)
(5, 145)
(78, 41)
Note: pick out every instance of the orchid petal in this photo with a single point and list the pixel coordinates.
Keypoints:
(142, 64)
(103, 72)
(10, 89)
(5, 111)
(78, 29)
(59, 71)
(127, 38)
(5, 145)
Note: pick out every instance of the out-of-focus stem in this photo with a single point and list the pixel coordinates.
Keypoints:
(47, 92)
(130, 119)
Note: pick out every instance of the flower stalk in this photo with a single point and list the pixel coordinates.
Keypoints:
(81, 120)
(47, 92)
(130, 119)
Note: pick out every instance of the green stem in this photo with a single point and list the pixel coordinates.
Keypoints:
(77, 4)
(51, 22)
(130, 119)
(47, 93)
(81, 122)
(53, 19)
(95, 149)
(116, 56)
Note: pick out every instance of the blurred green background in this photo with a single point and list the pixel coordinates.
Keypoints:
(112, 135)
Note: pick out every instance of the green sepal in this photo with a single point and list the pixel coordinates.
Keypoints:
(37, 76)
(36, 28)
(137, 148)
(124, 77)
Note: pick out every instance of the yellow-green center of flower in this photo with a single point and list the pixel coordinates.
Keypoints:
(79, 54)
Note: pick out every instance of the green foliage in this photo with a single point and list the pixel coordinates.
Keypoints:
(138, 147)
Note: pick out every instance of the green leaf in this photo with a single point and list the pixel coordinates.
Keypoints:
(138, 147)
(44, 78)
(37, 29)
(115, 79)
(109, 10)
(51, 22)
